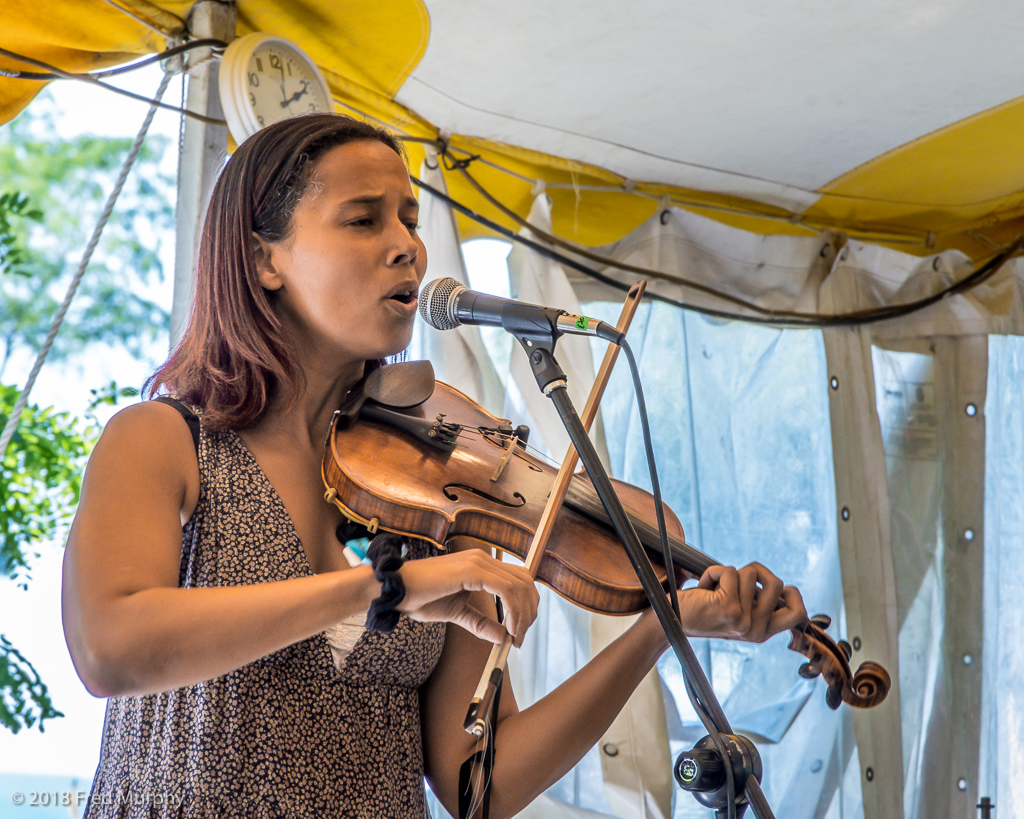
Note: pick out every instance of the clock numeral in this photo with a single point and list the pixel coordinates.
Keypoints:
(311, 107)
(289, 68)
(252, 99)
(260, 121)
(254, 79)
(275, 62)
(259, 65)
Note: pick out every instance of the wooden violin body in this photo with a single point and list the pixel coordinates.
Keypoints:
(447, 471)
(453, 499)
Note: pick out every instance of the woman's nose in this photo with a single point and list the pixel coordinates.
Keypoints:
(405, 248)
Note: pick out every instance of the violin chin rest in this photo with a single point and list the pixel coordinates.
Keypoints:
(402, 385)
(394, 386)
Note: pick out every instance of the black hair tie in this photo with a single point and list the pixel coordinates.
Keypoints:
(385, 553)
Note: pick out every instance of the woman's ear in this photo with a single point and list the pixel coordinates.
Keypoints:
(262, 252)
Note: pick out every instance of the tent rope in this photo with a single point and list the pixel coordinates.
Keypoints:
(19, 405)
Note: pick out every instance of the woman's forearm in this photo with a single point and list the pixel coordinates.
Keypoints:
(161, 638)
(537, 746)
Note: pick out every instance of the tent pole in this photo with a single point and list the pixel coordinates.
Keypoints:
(202, 150)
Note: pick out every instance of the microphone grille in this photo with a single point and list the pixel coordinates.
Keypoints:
(436, 300)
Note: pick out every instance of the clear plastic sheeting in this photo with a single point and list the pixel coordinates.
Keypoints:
(762, 435)
(1002, 724)
(741, 429)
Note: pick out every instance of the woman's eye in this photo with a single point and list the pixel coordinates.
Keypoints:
(413, 226)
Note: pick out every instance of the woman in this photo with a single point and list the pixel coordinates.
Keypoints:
(202, 572)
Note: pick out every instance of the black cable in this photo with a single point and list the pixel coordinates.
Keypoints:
(461, 165)
(70, 75)
(666, 551)
(716, 738)
(780, 319)
(46, 76)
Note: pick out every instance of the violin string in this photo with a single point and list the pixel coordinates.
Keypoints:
(540, 455)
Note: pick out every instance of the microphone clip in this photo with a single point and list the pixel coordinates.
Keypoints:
(536, 329)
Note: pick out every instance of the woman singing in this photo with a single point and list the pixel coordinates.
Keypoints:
(206, 590)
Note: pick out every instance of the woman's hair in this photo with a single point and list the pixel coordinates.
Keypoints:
(235, 355)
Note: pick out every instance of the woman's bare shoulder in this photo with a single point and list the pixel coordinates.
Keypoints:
(151, 436)
(153, 425)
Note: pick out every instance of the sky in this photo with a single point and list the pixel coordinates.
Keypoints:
(31, 619)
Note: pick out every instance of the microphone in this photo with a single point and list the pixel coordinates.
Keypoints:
(445, 304)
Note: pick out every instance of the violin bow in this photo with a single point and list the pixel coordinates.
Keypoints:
(483, 697)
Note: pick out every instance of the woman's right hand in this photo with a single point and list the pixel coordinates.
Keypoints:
(440, 589)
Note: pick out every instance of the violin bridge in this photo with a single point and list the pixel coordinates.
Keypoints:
(505, 458)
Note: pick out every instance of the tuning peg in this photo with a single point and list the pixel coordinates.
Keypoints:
(822, 621)
(808, 671)
(846, 648)
(833, 697)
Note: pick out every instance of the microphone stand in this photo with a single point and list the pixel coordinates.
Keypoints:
(721, 752)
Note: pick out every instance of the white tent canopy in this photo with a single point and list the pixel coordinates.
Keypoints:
(769, 103)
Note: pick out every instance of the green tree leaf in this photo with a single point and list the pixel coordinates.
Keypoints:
(24, 698)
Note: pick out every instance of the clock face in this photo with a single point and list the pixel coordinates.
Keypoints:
(280, 84)
(264, 79)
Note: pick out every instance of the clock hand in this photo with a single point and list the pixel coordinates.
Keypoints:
(297, 95)
(284, 94)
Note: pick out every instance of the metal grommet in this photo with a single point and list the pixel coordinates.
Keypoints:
(816, 766)
(971, 410)
(961, 784)
(610, 750)
(845, 514)
(833, 382)
(968, 659)
(665, 216)
(856, 647)
(935, 263)
(869, 774)
(826, 250)
(968, 534)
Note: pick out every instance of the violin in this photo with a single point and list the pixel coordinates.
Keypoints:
(421, 459)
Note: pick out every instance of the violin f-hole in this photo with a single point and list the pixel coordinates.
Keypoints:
(449, 492)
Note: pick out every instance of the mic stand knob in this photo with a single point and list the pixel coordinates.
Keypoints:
(702, 772)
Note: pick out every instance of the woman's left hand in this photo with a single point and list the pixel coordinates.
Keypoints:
(740, 604)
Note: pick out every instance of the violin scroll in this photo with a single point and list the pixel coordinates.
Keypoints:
(864, 689)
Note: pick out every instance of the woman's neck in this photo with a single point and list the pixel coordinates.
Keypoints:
(304, 421)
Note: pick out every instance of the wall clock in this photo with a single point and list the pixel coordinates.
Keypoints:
(264, 79)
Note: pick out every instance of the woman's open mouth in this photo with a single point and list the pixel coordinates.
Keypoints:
(405, 297)
(402, 300)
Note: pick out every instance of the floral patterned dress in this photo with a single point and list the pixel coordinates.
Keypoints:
(290, 734)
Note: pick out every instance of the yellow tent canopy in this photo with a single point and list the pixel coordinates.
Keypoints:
(906, 132)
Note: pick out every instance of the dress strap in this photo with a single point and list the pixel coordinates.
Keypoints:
(190, 417)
